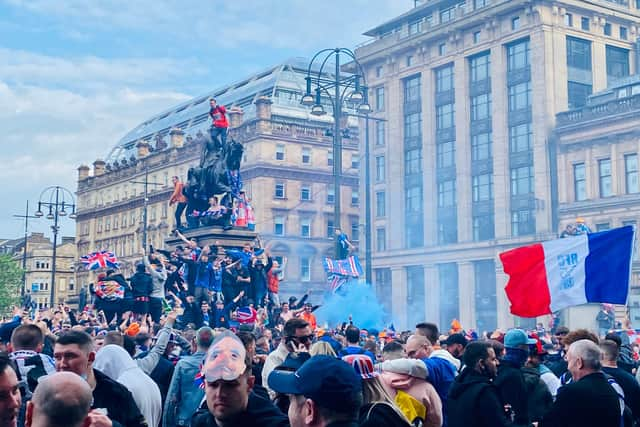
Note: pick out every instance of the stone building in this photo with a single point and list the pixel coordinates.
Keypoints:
(286, 170)
(462, 169)
(597, 148)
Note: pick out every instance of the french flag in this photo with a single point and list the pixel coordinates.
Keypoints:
(550, 276)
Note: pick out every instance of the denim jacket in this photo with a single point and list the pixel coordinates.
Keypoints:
(184, 396)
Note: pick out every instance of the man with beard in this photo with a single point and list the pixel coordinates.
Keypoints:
(10, 398)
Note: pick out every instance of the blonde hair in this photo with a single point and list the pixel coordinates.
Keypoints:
(373, 392)
(322, 348)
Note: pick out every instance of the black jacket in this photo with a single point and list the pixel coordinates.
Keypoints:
(630, 386)
(380, 414)
(588, 402)
(513, 391)
(539, 397)
(474, 401)
(142, 284)
(259, 413)
(118, 401)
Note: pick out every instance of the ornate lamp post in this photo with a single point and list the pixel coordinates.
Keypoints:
(340, 89)
(58, 200)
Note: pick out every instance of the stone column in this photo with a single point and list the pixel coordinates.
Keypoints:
(83, 172)
(98, 167)
(463, 152)
(263, 114)
(505, 319)
(501, 173)
(177, 137)
(432, 293)
(235, 117)
(467, 293)
(399, 297)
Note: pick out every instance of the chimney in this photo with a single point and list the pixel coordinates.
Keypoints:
(143, 149)
(263, 108)
(177, 137)
(83, 172)
(98, 167)
(235, 117)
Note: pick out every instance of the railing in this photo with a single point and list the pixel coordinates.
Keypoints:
(599, 111)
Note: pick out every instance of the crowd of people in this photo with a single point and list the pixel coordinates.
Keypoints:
(68, 367)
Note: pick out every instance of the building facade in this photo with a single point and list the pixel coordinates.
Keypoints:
(286, 170)
(469, 91)
(597, 148)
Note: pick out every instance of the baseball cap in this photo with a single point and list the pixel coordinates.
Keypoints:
(516, 337)
(328, 381)
(362, 364)
(456, 339)
(294, 361)
(225, 359)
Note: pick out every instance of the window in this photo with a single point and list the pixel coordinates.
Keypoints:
(447, 14)
(413, 161)
(412, 89)
(482, 187)
(355, 196)
(355, 231)
(578, 94)
(607, 29)
(305, 193)
(631, 173)
(379, 71)
(617, 62)
(415, 296)
(476, 37)
(445, 116)
(522, 181)
(515, 23)
(518, 55)
(481, 146)
(520, 96)
(578, 53)
(409, 60)
(447, 194)
(381, 204)
(477, 4)
(445, 154)
(331, 194)
(116, 217)
(520, 138)
(305, 227)
(603, 226)
(579, 182)
(380, 131)
(380, 169)
(278, 225)
(623, 33)
(442, 49)
(280, 152)
(123, 221)
(329, 158)
(412, 126)
(279, 190)
(330, 230)
(480, 67)
(413, 199)
(381, 240)
(522, 222)
(604, 171)
(99, 227)
(568, 20)
(444, 78)
(355, 161)
(380, 98)
(481, 107)
(415, 26)
(483, 228)
(305, 269)
(584, 23)
(107, 221)
(133, 219)
(306, 155)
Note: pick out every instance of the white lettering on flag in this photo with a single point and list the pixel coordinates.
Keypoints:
(564, 260)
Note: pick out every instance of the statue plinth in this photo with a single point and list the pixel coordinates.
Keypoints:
(215, 235)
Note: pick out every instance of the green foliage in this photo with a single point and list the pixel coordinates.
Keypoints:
(10, 281)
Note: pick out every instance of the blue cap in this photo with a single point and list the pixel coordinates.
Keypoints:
(517, 337)
(330, 382)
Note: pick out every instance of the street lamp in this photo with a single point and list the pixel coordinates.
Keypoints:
(339, 89)
(56, 199)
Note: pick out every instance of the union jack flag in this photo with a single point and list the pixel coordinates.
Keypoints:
(341, 271)
(102, 259)
(247, 315)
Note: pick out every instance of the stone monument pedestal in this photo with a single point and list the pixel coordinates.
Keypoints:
(215, 235)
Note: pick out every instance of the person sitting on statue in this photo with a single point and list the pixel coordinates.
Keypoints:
(179, 198)
(218, 114)
(216, 213)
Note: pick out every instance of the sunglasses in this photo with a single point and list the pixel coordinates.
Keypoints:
(304, 338)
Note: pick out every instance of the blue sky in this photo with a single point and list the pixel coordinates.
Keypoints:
(76, 75)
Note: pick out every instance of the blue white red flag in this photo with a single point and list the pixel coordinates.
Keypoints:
(102, 259)
(341, 271)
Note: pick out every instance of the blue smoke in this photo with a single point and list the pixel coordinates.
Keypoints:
(355, 299)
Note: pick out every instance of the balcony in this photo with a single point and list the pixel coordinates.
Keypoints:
(603, 111)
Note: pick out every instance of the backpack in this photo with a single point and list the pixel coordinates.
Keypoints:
(413, 409)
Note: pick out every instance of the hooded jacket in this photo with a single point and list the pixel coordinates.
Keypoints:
(475, 402)
(442, 373)
(114, 361)
(259, 413)
(118, 402)
(513, 391)
(142, 284)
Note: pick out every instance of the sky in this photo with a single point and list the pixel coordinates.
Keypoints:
(77, 75)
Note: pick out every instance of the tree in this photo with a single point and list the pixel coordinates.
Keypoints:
(10, 281)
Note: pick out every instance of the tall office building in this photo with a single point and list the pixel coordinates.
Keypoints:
(469, 91)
